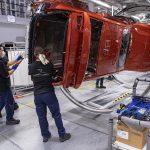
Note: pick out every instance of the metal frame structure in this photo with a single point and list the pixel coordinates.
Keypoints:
(15, 8)
(131, 121)
(101, 108)
(134, 122)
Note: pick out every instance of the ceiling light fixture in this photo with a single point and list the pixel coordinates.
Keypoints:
(100, 3)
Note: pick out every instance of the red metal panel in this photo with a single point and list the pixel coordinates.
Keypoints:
(77, 49)
(78, 44)
(109, 48)
(72, 48)
(85, 50)
(139, 53)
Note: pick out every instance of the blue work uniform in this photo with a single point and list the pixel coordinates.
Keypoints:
(44, 95)
(5, 91)
(5, 60)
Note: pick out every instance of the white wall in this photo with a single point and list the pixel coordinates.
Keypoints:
(9, 32)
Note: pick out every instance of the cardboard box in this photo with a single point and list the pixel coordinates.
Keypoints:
(130, 136)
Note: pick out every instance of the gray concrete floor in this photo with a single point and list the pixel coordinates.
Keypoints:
(89, 131)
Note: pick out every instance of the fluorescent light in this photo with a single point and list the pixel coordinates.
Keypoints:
(100, 3)
(136, 17)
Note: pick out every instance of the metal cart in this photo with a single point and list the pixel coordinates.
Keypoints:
(144, 124)
(131, 121)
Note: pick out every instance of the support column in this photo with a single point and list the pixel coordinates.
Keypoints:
(110, 131)
(148, 140)
(6, 8)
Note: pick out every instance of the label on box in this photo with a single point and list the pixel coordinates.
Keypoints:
(123, 134)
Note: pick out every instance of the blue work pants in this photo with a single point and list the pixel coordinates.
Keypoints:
(99, 82)
(7, 101)
(42, 101)
(12, 99)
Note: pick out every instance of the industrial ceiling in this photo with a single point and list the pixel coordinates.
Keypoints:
(139, 9)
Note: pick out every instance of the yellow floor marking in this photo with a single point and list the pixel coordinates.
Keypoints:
(121, 97)
(28, 104)
(81, 87)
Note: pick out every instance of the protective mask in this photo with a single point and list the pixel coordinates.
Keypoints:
(3, 54)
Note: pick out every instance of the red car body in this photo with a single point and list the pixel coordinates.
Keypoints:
(84, 45)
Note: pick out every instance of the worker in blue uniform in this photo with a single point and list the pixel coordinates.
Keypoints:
(44, 95)
(5, 88)
(8, 64)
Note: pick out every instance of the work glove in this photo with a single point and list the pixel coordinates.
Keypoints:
(14, 67)
(19, 57)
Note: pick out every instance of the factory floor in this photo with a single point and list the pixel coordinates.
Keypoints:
(89, 130)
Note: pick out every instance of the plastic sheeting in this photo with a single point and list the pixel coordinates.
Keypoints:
(20, 76)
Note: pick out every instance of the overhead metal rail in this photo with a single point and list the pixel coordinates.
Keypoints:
(109, 106)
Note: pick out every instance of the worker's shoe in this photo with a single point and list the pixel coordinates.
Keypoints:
(65, 137)
(102, 87)
(45, 139)
(0, 114)
(16, 106)
(12, 121)
(97, 86)
(110, 78)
